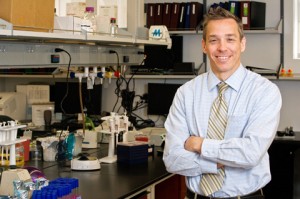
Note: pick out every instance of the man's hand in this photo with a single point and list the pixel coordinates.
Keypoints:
(219, 165)
(193, 144)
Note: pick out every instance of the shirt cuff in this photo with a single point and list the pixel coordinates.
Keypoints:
(210, 148)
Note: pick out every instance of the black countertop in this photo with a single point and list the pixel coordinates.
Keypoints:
(112, 180)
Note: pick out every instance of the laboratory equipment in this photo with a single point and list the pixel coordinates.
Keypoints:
(13, 104)
(90, 140)
(160, 33)
(115, 127)
(8, 141)
(85, 163)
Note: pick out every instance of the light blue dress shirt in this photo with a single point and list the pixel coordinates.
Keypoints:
(254, 105)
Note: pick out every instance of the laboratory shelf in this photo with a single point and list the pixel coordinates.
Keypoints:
(76, 37)
(267, 30)
(127, 76)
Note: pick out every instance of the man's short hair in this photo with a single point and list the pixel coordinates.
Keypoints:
(219, 13)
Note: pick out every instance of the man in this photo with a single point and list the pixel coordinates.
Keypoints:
(253, 106)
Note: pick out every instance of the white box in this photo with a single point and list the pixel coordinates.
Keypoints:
(38, 113)
(103, 18)
(35, 93)
(90, 140)
(68, 24)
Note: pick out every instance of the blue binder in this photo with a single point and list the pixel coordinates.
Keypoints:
(187, 14)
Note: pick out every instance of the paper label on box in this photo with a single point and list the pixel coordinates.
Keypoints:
(244, 20)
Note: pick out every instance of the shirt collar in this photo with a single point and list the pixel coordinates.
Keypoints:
(234, 81)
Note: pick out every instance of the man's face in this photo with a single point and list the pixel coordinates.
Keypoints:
(223, 47)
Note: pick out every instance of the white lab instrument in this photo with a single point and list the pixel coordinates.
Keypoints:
(13, 104)
(85, 164)
(38, 112)
(90, 140)
(160, 33)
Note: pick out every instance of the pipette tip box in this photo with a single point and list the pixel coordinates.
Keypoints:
(132, 152)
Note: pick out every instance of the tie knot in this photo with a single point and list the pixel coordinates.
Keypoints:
(222, 87)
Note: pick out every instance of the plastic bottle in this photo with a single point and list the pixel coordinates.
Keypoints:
(113, 27)
(19, 155)
(90, 17)
(36, 151)
(70, 140)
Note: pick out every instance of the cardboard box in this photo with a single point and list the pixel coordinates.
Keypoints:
(32, 15)
(76, 9)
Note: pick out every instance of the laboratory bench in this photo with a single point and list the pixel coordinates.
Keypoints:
(138, 181)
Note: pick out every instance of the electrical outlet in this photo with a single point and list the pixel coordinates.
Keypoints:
(2, 49)
(125, 59)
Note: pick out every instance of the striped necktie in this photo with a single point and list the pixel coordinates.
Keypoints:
(211, 183)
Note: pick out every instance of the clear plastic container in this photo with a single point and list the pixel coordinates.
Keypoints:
(89, 16)
(19, 155)
(36, 151)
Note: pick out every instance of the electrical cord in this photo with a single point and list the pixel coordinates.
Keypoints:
(127, 95)
(67, 78)
(81, 108)
(67, 91)
(134, 73)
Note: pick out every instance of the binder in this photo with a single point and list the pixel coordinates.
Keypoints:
(187, 15)
(150, 14)
(245, 14)
(158, 16)
(234, 7)
(257, 15)
(174, 16)
(224, 5)
(182, 13)
(196, 14)
(167, 8)
(253, 15)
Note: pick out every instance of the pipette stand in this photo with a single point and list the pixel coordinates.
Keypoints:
(111, 158)
(8, 139)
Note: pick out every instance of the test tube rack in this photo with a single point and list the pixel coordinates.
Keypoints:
(8, 141)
